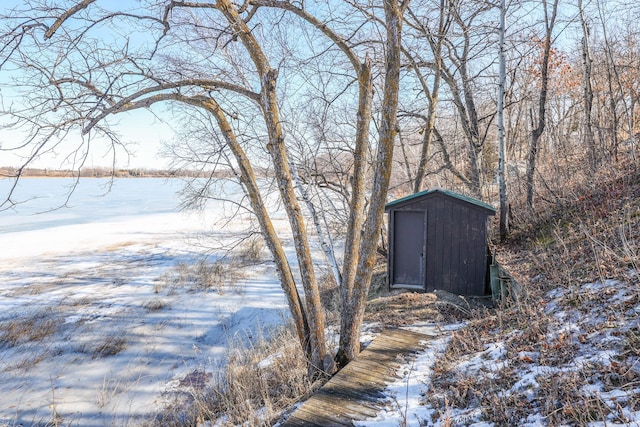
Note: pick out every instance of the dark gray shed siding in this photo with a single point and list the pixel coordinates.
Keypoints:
(455, 242)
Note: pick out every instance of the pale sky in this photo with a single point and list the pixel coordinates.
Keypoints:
(143, 129)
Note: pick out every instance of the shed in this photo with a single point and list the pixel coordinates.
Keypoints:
(438, 240)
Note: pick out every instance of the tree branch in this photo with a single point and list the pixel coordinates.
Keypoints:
(66, 15)
(130, 103)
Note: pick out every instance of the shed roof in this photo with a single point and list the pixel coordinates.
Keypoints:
(435, 191)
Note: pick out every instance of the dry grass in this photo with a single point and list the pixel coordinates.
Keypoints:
(256, 386)
(557, 388)
(330, 297)
(105, 345)
(31, 289)
(220, 276)
(121, 245)
(593, 236)
(156, 304)
(406, 308)
(34, 326)
(453, 389)
(252, 250)
(108, 345)
(593, 232)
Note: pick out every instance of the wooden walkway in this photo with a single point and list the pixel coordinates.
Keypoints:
(356, 391)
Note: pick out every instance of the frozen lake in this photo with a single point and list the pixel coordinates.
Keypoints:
(117, 270)
(101, 213)
(42, 202)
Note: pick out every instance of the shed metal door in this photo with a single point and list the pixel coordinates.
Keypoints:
(409, 245)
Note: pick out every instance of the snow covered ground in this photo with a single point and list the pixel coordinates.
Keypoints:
(404, 396)
(104, 316)
(581, 365)
(102, 312)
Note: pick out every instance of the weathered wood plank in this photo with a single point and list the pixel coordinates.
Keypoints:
(404, 334)
(364, 398)
(404, 340)
(391, 346)
(346, 406)
(297, 420)
(315, 417)
(378, 374)
(374, 362)
(387, 347)
(354, 393)
(372, 376)
(360, 381)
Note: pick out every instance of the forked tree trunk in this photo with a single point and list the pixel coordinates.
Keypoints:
(358, 189)
(309, 317)
(353, 308)
(358, 180)
(278, 152)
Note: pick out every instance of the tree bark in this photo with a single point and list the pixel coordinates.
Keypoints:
(278, 152)
(358, 190)
(353, 309)
(536, 133)
(504, 208)
(587, 90)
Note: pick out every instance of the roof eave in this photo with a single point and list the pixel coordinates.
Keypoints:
(466, 199)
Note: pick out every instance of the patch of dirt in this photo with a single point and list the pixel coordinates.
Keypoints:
(403, 308)
(197, 379)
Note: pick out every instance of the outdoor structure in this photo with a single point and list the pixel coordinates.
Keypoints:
(438, 240)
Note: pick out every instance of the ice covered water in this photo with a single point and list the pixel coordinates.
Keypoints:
(101, 274)
(40, 203)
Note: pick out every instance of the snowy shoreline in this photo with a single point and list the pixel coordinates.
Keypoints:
(100, 319)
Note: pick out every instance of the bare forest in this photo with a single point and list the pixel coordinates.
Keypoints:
(342, 106)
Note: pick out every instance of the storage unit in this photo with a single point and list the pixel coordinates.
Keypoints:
(438, 240)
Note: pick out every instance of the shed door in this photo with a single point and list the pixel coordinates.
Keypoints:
(409, 244)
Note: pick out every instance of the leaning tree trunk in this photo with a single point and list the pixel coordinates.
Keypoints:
(278, 153)
(250, 185)
(358, 184)
(358, 181)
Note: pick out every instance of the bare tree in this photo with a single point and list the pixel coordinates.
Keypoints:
(549, 22)
(214, 57)
(360, 246)
(587, 87)
(435, 39)
(504, 211)
(355, 303)
(615, 88)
